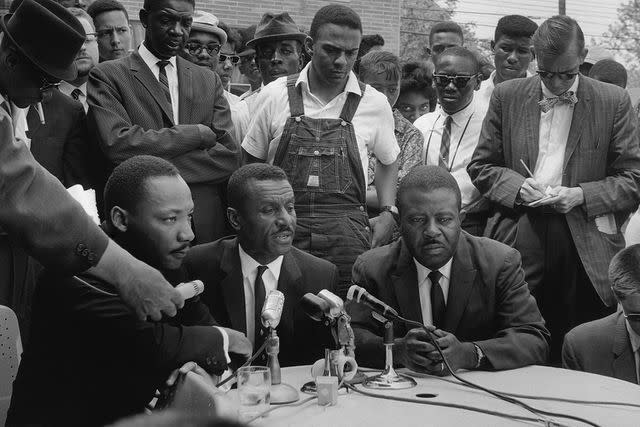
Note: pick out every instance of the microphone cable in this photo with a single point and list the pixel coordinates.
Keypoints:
(245, 364)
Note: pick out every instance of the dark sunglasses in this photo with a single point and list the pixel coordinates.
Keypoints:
(443, 80)
(233, 58)
(633, 317)
(548, 75)
(197, 48)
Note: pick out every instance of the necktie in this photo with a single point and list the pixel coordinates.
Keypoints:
(259, 294)
(569, 97)
(76, 94)
(164, 81)
(438, 306)
(443, 160)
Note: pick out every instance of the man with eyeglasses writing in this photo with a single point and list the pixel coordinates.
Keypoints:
(113, 32)
(558, 155)
(451, 131)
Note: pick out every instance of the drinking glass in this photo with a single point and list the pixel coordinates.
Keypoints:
(254, 391)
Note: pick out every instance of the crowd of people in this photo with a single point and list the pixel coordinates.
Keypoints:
(485, 201)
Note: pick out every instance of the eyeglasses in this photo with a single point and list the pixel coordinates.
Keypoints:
(633, 317)
(233, 58)
(445, 80)
(548, 75)
(47, 85)
(197, 48)
(90, 37)
(109, 32)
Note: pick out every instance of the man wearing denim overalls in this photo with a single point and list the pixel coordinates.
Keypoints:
(319, 127)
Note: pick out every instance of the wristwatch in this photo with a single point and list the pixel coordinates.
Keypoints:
(480, 357)
(392, 210)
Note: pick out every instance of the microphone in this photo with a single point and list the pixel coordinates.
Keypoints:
(272, 309)
(336, 305)
(315, 307)
(359, 294)
(190, 289)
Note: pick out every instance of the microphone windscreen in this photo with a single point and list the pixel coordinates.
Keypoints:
(314, 306)
(190, 289)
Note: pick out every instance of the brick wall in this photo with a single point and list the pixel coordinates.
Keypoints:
(378, 16)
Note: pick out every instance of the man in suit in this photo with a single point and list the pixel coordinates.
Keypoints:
(611, 346)
(35, 209)
(106, 364)
(573, 140)
(470, 291)
(238, 272)
(154, 102)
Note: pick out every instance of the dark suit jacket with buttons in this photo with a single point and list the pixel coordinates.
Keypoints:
(602, 156)
(129, 115)
(90, 361)
(601, 347)
(488, 302)
(39, 214)
(217, 264)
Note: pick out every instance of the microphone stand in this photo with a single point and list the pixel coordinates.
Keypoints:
(280, 392)
(389, 378)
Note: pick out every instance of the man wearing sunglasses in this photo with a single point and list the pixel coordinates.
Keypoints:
(611, 346)
(157, 103)
(451, 132)
(559, 156)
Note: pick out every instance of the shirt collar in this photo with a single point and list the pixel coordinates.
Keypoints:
(634, 338)
(250, 265)
(547, 93)
(352, 81)
(423, 272)
(66, 87)
(150, 59)
(460, 117)
(491, 82)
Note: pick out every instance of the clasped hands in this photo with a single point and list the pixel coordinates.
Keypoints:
(565, 199)
(416, 352)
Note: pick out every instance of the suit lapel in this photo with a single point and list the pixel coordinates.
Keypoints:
(185, 98)
(461, 285)
(624, 364)
(405, 285)
(581, 110)
(144, 75)
(233, 287)
(289, 285)
(532, 122)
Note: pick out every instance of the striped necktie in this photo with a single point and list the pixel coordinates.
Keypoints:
(443, 160)
(76, 94)
(164, 81)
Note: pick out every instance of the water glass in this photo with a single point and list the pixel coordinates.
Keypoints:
(254, 391)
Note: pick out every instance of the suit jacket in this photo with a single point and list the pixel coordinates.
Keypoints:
(61, 144)
(217, 264)
(99, 361)
(129, 115)
(488, 302)
(37, 211)
(601, 347)
(602, 157)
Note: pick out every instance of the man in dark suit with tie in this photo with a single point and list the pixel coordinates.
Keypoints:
(470, 290)
(573, 141)
(611, 346)
(153, 102)
(238, 272)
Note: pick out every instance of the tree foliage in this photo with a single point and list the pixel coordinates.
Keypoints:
(624, 37)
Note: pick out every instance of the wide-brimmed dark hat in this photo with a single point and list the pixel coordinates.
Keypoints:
(276, 27)
(47, 34)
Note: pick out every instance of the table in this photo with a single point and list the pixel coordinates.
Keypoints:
(356, 410)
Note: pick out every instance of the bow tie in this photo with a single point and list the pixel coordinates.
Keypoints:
(568, 97)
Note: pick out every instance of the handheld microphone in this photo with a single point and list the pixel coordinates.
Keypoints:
(190, 289)
(336, 305)
(272, 309)
(359, 294)
(315, 307)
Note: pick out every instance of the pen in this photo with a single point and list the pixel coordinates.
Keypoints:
(526, 168)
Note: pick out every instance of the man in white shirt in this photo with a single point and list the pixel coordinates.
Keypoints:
(611, 345)
(240, 271)
(451, 132)
(558, 156)
(319, 127)
(512, 50)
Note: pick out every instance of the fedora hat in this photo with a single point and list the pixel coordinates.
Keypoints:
(47, 34)
(276, 27)
(208, 23)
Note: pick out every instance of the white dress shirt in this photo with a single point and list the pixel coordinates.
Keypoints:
(67, 88)
(462, 143)
(635, 347)
(249, 273)
(20, 125)
(424, 287)
(554, 132)
(373, 121)
(239, 115)
(172, 75)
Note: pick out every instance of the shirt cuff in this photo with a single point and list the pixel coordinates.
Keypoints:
(225, 343)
